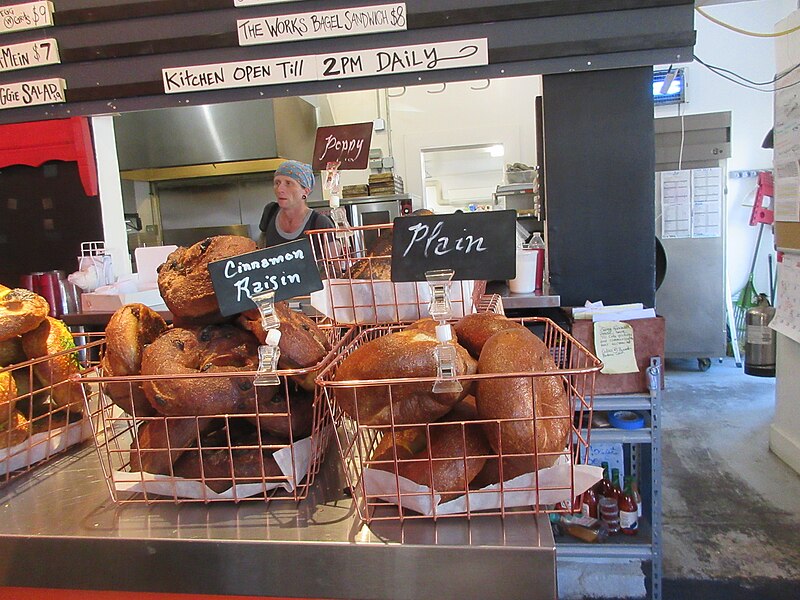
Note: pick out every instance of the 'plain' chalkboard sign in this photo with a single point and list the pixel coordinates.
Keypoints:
(288, 269)
(475, 245)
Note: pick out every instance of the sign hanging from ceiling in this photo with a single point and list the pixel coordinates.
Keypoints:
(321, 67)
(322, 24)
(347, 144)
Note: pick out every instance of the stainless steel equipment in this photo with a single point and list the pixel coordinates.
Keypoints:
(760, 347)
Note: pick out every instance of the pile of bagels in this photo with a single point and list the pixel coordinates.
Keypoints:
(40, 396)
(198, 416)
(496, 428)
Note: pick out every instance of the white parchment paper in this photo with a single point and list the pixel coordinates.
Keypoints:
(42, 445)
(383, 484)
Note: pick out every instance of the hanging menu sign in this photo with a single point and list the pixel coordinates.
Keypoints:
(322, 24)
(30, 93)
(288, 269)
(347, 144)
(20, 17)
(29, 54)
(341, 65)
(476, 245)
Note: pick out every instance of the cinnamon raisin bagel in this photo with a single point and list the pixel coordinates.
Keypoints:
(130, 329)
(302, 343)
(541, 402)
(403, 354)
(184, 280)
(20, 311)
(220, 465)
(292, 419)
(474, 329)
(160, 441)
(213, 349)
(52, 339)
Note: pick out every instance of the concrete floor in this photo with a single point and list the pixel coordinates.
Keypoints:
(731, 508)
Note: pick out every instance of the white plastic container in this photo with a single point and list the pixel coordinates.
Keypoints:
(527, 267)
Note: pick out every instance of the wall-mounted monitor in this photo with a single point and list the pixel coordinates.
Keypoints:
(669, 86)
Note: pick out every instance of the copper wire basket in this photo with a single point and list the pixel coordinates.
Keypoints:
(384, 495)
(228, 457)
(33, 428)
(356, 275)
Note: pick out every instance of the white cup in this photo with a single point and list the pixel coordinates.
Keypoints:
(525, 281)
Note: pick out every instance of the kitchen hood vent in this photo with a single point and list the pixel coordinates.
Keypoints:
(213, 140)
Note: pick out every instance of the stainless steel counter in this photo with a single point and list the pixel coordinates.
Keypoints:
(59, 529)
(544, 299)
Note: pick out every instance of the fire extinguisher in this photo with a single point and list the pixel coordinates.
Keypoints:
(759, 346)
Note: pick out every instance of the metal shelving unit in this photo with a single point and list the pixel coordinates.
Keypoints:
(643, 448)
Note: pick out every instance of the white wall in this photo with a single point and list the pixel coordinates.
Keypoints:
(751, 115)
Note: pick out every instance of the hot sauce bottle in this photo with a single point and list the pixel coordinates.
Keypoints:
(628, 510)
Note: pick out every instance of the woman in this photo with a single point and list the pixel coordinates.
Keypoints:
(286, 220)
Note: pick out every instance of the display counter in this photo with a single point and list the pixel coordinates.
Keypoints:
(543, 299)
(60, 529)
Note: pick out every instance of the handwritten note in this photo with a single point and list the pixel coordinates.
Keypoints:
(322, 24)
(787, 314)
(320, 67)
(613, 343)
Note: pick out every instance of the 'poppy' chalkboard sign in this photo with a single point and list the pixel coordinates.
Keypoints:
(288, 269)
(475, 245)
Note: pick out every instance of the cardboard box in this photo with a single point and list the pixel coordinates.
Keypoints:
(91, 302)
(648, 341)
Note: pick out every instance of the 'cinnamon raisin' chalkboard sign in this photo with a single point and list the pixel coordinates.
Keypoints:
(288, 269)
(475, 245)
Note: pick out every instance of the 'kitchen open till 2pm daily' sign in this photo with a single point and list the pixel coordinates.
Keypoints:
(320, 67)
(288, 269)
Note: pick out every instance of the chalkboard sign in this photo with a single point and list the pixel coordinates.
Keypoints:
(287, 269)
(476, 245)
(349, 144)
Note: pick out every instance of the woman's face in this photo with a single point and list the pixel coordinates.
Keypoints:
(288, 192)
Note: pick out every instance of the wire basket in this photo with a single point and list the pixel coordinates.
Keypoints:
(373, 475)
(42, 412)
(356, 271)
(271, 453)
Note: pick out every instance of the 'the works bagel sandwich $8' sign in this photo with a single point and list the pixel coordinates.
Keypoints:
(288, 269)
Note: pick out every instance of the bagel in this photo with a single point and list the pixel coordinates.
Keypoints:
(474, 329)
(21, 311)
(129, 330)
(160, 441)
(540, 402)
(216, 348)
(184, 280)
(302, 344)
(14, 430)
(8, 395)
(51, 338)
(445, 456)
(219, 464)
(11, 352)
(288, 420)
(403, 354)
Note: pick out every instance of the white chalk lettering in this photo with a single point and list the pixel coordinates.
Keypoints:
(437, 244)
(347, 150)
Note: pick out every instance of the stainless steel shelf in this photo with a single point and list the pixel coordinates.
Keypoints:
(61, 517)
(621, 436)
(638, 547)
(521, 301)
